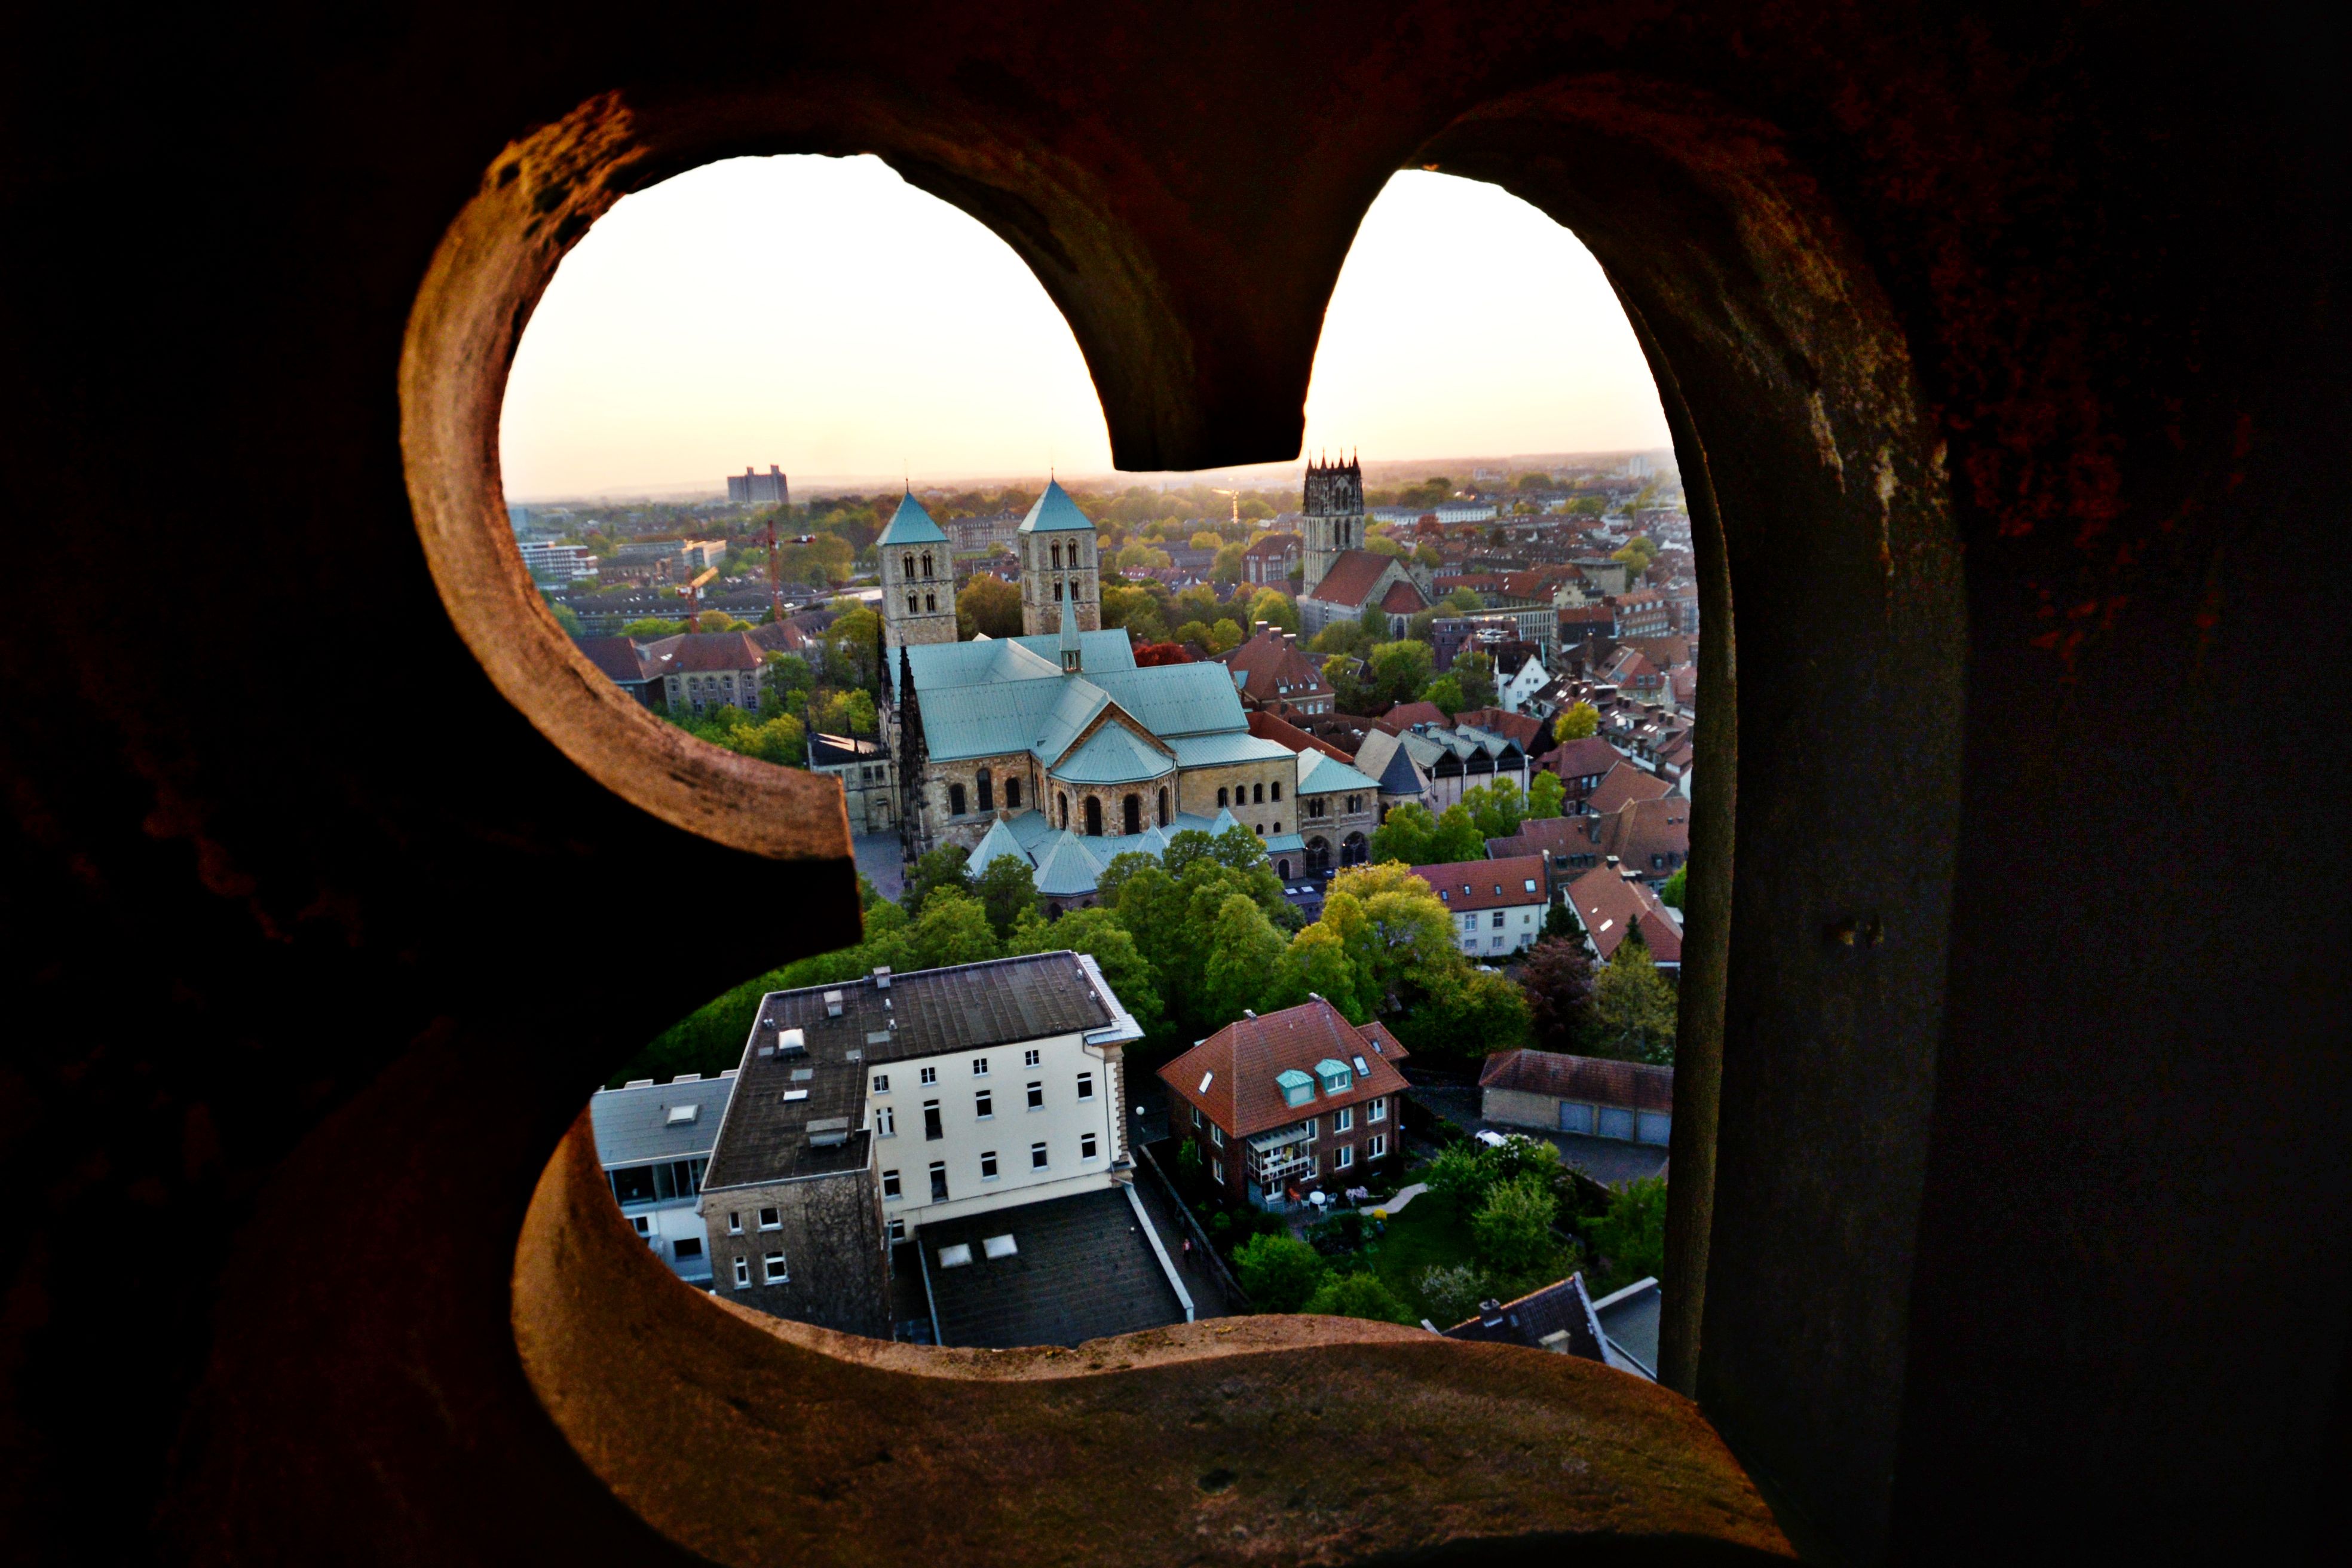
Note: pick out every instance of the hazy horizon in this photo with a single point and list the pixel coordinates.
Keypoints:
(822, 315)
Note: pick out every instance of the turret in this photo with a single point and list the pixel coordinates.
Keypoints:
(1060, 565)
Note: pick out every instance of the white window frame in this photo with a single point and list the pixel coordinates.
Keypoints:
(1343, 1119)
(938, 1169)
(1037, 1156)
(980, 1066)
(742, 1272)
(928, 1077)
(774, 1269)
(775, 1223)
(893, 1188)
(886, 1122)
(1089, 1147)
(1030, 1058)
(1380, 1111)
(1344, 1157)
(734, 1222)
(898, 1228)
(983, 1105)
(1036, 1094)
(1216, 1136)
(1377, 1148)
(988, 1164)
(1086, 1086)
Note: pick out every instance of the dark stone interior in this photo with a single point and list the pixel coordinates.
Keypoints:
(2005, 356)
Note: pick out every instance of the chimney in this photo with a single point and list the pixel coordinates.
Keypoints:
(833, 1003)
(1248, 1013)
(1259, 628)
(1490, 1314)
(882, 976)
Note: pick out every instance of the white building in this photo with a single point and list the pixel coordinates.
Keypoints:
(562, 563)
(653, 1140)
(1498, 906)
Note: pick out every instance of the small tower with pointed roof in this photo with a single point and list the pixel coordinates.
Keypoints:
(918, 578)
(1060, 565)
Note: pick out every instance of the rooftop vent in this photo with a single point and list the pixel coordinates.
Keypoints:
(792, 1043)
(802, 1075)
(681, 1115)
(829, 1133)
(1490, 1313)
(688, 1077)
(878, 1036)
(882, 977)
(767, 1022)
(833, 1003)
(999, 1246)
(1247, 1012)
(793, 1094)
(955, 1256)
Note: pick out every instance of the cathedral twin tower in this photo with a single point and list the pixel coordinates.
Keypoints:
(1061, 571)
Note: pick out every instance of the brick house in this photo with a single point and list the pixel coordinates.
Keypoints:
(1271, 673)
(1610, 901)
(1273, 561)
(1292, 1103)
(1591, 1095)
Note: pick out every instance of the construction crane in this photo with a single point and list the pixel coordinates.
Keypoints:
(692, 594)
(1237, 503)
(775, 574)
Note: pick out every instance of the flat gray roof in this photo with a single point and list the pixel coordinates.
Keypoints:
(634, 1126)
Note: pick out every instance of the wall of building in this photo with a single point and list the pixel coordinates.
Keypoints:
(1113, 801)
(1475, 933)
(1041, 608)
(1197, 792)
(830, 1229)
(1339, 821)
(1519, 1108)
(1009, 1131)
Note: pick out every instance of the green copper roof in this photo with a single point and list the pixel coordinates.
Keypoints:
(1321, 773)
(1065, 866)
(1113, 754)
(999, 843)
(1171, 700)
(1104, 652)
(1055, 512)
(1208, 751)
(910, 524)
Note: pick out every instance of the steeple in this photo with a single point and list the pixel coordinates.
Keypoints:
(918, 577)
(1059, 565)
(1073, 651)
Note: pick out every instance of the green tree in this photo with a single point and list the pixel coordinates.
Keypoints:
(1497, 807)
(1245, 950)
(848, 712)
(1467, 1014)
(1406, 835)
(1561, 923)
(1577, 721)
(1276, 608)
(1460, 1174)
(1316, 963)
(1512, 1229)
(1546, 794)
(566, 617)
(1474, 673)
(1445, 694)
(1450, 1295)
(1356, 1296)
(1634, 1007)
(1278, 1273)
(1457, 838)
(1557, 978)
(652, 630)
(1224, 634)
(788, 672)
(1637, 552)
(1400, 670)
(1194, 632)
(1207, 540)
(1342, 637)
(1348, 694)
(941, 867)
(952, 929)
(1672, 894)
(1631, 1235)
(1007, 889)
(988, 605)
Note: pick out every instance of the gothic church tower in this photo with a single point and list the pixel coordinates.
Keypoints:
(1334, 517)
(1060, 565)
(918, 578)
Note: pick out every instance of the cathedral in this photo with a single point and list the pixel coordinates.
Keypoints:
(1054, 745)
(1344, 581)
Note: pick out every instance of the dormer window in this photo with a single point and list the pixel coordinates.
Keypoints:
(1335, 1075)
(1297, 1089)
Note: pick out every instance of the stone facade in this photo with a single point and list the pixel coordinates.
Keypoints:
(1261, 792)
(919, 593)
(1058, 569)
(831, 1237)
(1344, 816)
(1335, 518)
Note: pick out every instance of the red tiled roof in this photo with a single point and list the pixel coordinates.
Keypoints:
(702, 652)
(1591, 757)
(1547, 836)
(616, 656)
(1403, 599)
(1622, 784)
(1641, 828)
(1405, 715)
(1272, 669)
(1630, 1086)
(1274, 546)
(1239, 1063)
(1282, 732)
(1607, 903)
(1486, 884)
(1351, 578)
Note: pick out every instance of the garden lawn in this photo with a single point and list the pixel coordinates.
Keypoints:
(1427, 1235)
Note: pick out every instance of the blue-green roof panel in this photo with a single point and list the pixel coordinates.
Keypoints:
(1113, 754)
(1101, 652)
(1171, 700)
(1055, 512)
(910, 524)
(1319, 773)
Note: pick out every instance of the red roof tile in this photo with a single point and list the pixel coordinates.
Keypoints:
(1631, 1086)
(1230, 1075)
(1282, 732)
(1405, 715)
(1591, 757)
(1622, 784)
(1486, 884)
(1403, 599)
(1608, 903)
(1351, 578)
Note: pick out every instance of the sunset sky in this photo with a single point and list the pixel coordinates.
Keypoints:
(823, 315)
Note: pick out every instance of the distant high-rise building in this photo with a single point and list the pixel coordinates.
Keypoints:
(749, 489)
